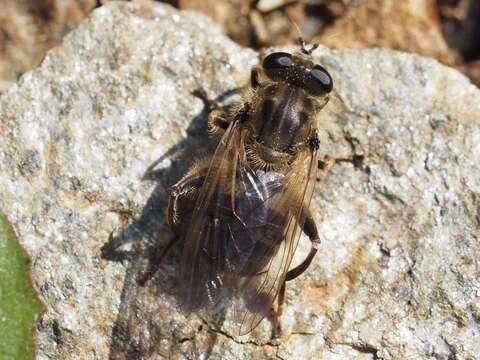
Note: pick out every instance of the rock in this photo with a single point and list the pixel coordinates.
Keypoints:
(411, 25)
(94, 137)
(29, 28)
(472, 70)
(460, 26)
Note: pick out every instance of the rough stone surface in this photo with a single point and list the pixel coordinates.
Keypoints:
(93, 138)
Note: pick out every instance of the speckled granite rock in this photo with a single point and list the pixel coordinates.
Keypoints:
(93, 138)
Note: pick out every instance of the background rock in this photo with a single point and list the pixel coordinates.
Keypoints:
(94, 137)
(410, 25)
(29, 28)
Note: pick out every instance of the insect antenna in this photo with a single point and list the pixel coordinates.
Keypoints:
(303, 47)
(301, 42)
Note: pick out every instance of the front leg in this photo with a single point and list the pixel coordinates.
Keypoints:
(326, 164)
(218, 122)
(218, 119)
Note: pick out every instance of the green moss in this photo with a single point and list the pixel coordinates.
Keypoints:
(19, 305)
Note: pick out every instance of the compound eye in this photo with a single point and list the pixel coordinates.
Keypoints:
(277, 61)
(321, 79)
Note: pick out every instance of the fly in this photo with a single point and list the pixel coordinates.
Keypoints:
(241, 211)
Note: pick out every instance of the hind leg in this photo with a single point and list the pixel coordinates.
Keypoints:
(310, 229)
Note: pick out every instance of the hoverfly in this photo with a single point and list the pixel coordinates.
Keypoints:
(240, 212)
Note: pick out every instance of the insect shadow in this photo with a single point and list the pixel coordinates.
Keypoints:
(143, 311)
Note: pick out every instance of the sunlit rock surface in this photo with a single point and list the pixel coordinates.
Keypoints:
(93, 138)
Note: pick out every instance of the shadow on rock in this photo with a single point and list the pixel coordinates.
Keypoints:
(147, 317)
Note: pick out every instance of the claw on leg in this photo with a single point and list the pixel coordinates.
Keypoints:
(277, 313)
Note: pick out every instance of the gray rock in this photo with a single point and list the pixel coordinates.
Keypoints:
(94, 137)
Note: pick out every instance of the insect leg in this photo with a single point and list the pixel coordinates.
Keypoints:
(184, 194)
(276, 314)
(218, 121)
(326, 164)
(310, 229)
(324, 167)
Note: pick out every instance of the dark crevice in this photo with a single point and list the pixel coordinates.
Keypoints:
(174, 3)
(389, 196)
(366, 349)
(322, 12)
(57, 333)
(181, 341)
(360, 347)
(463, 34)
(385, 251)
(216, 330)
(453, 352)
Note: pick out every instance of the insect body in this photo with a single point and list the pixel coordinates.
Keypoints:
(241, 212)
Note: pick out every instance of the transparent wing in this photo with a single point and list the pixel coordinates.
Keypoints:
(276, 242)
(244, 231)
(201, 283)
